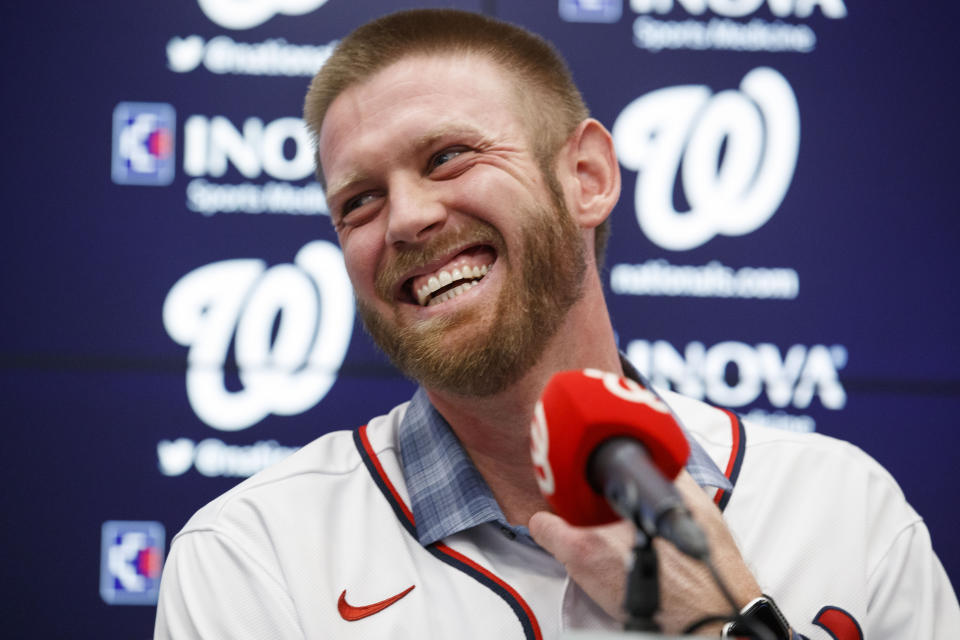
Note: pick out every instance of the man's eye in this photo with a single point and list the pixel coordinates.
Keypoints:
(444, 156)
(354, 212)
(355, 203)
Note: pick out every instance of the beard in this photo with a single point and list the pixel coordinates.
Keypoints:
(458, 353)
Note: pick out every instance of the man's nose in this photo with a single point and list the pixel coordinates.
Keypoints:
(414, 214)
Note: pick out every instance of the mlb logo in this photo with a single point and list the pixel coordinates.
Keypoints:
(143, 138)
(131, 557)
(591, 10)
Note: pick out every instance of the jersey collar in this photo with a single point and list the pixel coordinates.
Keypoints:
(447, 493)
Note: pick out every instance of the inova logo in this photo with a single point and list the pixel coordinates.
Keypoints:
(739, 8)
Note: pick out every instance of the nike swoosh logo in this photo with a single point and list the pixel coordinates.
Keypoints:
(351, 613)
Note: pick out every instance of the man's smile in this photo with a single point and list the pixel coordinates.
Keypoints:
(448, 284)
(448, 277)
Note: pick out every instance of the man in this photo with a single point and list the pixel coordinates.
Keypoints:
(470, 193)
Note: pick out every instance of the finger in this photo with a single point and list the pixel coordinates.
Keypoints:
(703, 509)
(693, 494)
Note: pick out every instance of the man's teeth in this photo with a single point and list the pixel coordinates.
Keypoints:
(446, 278)
(452, 293)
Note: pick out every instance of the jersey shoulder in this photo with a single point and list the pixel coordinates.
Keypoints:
(775, 451)
(330, 464)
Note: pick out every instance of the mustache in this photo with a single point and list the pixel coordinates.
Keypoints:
(408, 258)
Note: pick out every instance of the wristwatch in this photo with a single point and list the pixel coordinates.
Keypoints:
(760, 611)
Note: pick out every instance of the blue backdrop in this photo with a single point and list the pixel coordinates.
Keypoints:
(177, 315)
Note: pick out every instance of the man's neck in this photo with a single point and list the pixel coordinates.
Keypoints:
(494, 430)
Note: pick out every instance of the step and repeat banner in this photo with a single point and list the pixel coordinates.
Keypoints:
(178, 315)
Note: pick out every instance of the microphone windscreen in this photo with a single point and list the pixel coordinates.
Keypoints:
(577, 411)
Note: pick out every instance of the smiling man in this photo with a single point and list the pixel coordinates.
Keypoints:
(461, 249)
(470, 192)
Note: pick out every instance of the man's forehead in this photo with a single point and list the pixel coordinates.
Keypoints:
(426, 72)
(472, 77)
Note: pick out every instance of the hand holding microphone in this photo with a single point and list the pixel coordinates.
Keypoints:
(596, 433)
(603, 445)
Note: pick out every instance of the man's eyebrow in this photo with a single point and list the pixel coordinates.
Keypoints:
(345, 183)
(447, 130)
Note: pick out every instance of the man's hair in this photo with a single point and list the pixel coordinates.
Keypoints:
(550, 102)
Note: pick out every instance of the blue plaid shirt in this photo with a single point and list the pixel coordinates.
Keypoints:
(448, 494)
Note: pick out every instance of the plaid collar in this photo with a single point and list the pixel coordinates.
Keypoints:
(448, 494)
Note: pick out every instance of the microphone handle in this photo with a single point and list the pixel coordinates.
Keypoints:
(621, 470)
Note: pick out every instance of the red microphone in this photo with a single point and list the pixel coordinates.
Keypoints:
(602, 445)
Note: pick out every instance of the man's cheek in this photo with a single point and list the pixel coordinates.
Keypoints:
(355, 272)
(355, 259)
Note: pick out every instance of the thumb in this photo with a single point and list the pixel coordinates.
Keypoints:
(595, 557)
(554, 534)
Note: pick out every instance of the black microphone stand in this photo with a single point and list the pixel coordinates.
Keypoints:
(643, 586)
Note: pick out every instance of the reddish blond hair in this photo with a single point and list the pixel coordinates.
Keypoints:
(547, 96)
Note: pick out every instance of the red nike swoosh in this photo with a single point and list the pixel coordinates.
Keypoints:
(350, 612)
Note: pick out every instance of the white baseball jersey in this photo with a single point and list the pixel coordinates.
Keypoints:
(322, 545)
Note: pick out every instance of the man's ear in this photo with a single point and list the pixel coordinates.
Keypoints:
(590, 174)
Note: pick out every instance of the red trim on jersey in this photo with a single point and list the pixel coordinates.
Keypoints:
(439, 546)
(735, 447)
(383, 475)
(734, 451)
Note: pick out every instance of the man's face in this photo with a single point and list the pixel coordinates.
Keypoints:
(462, 254)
